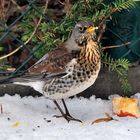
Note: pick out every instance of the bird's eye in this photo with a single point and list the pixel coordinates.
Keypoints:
(81, 29)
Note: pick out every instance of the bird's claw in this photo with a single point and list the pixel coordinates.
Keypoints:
(68, 118)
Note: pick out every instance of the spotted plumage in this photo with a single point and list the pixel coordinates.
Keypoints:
(81, 73)
(68, 69)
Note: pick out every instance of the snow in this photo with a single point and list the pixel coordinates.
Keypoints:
(31, 118)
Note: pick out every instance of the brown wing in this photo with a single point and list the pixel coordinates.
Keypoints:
(54, 62)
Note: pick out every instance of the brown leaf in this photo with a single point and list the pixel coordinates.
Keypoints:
(107, 119)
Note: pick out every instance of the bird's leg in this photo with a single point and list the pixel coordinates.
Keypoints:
(58, 108)
(67, 112)
(66, 115)
(66, 109)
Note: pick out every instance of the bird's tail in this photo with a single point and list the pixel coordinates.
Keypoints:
(26, 80)
(7, 80)
(17, 78)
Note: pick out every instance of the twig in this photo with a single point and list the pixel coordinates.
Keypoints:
(102, 30)
(102, 24)
(1, 109)
(67, 6)
(11, 53)
(116, 46)
(61, 2)
(15, 3)
(27, 41)
(113, 10)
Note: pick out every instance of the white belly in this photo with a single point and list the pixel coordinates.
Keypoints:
(76, 89)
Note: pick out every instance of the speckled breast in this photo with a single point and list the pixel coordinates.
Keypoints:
(80, 78)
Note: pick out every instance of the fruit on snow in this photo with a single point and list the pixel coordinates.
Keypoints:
(126, 107)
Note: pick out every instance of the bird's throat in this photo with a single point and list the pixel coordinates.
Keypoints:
(90, 53)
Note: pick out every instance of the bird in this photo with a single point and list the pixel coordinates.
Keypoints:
(68, 69)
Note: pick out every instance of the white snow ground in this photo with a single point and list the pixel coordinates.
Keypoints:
(32, 118)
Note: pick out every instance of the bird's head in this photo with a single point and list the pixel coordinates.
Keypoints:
(83, 31)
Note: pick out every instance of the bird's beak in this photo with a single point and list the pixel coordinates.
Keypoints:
(91, 29)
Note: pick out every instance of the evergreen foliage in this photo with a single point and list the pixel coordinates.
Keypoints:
(120, 67)
(53, 33)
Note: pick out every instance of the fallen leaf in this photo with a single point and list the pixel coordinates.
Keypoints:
(107, 119)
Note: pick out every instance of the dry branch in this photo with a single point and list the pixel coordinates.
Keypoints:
(116, 46)
(28, 40)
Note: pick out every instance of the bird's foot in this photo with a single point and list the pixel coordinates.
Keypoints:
(68, 118)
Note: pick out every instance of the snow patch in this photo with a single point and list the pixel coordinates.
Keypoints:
(32, 118)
